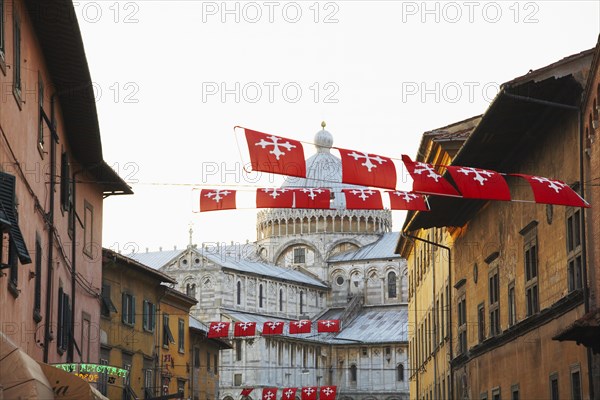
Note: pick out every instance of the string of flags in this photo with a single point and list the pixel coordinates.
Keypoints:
(220, 329)
(284, 156)
(289, 393)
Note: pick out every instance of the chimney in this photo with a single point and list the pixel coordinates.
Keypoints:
(175, 247)
(146, 249)
(160, 248)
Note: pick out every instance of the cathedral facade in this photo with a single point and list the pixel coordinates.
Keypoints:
(306, 264)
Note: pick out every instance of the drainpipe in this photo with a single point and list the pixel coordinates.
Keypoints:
(449, 319)
(50, 221)
(586, 300)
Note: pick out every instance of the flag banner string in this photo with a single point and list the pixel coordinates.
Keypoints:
(284, 156)
(221, 329)
(289, 393)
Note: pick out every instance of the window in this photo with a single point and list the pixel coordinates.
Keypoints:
(554, 387)
(65, 182)
(103, 377)
(392, 294)
(514, 392)
(261, 296)
(353, 374)
(128, 308)
(17, 57)
(239, 293)
(148, 383)
(574, 250)
(462, 325)
(196, 357)
(180, 386)
(496, 394)
(190, 290)
(86, 324)
(64, 320)
(149, 316)
(280, 299)
(531, 270)
(512, 306)
(301, 302)
(37, 297)
(481, 322)
(180, 336)
(167, 335)
(238, 350)
(299, 255)
(400, 373)
(494, 290)
(107, 305)
(364, 351)
(12, 264)
(41, 118)
(88, 229)
(237, 379)
(576, 384)
(2, 50)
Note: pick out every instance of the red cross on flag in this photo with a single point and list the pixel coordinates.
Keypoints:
(363, 199)
(400, 200)
(476, 183)
(246, 391)
(367, 169)
(272, 328)
(274, 198)
(426, 179)
(289, 393)
(275, 154)
(327, 392)
(213, 199)
(244, 329)
(218, 329)
(302, 326)
(269, 394)
(328, 325)
(550, 191)
(309, 393)
(312, 198)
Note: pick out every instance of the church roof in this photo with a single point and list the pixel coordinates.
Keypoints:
(156, 259)
(384, 247)
(373, 324)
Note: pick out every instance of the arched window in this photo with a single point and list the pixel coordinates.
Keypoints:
(301, 302)
(188, 289)
(392, 285)
(280, 299)
(400, 373)
(353, 373)
(260, 295)
(239, 293)
(193, 291)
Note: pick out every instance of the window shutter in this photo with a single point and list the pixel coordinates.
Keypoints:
(153, 311)
(7, 206)
(124, 307)
(133, 310)
(145, 315)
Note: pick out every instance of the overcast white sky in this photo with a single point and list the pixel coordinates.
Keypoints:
(380, 73)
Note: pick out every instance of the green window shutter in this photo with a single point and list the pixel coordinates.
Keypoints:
(145, 315)
(153, 311)
(124, 307)
(133, 310)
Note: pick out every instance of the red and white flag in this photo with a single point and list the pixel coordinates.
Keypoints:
(246, 391)
(327, 392)
(476, 183)
(272, 328)
(400, 200)
(426, 179)
(289, 393)
(367, 169)
(328, 325)
(550, 191)
(363, 199)
(274, 198)
(213, 200)
(302, 326)
(244, 329)
(218, 329)
(312, 198)
(309, 393)
(275, 154)
(269, 394)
